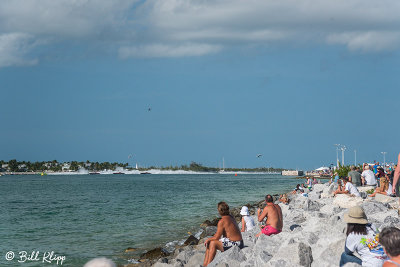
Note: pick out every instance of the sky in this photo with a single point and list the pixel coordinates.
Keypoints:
(222, 79)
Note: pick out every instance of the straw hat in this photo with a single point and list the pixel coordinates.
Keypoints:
(244, 211)
(356, 215)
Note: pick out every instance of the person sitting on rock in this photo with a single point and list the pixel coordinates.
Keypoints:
(284, 199)
(228, 234)
(247, 220)
(298, 189)
(273, 213)
(361, 238)
(385, 187)
(346, 187)
(390, 240)
(368, 176)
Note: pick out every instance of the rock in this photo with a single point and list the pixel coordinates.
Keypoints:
(372, 207)
(347, 201)
(319, 188)
(155, 254)
(300, 255)
(196, 260)
(390, 219)
(328, 251)
(184, 255)
(328, 192)
(294, 226)
(384, 198)
(209, 231)
(191, 241)
(207, 223)
(233, 253)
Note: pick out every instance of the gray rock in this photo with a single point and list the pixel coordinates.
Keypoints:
(391, 220)
(372, 207)
(196, 260)
(294, 226)
(300, 255)
(233, 253)
(209, 231)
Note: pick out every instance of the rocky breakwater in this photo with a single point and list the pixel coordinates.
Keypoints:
(313, 233)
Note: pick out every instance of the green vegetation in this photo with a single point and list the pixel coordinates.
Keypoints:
(55, 166)
(344, 170)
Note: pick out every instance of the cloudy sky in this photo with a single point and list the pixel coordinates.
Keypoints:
(287, 79)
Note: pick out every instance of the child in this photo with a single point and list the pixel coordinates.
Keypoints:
(247, 221)
(390, 240)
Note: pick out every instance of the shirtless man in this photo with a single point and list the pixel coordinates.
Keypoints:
(273, 213)
(228, 230)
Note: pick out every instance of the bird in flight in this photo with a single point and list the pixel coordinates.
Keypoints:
(149, 109)
(259, 155)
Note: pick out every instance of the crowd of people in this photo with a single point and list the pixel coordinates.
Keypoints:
(374, 249)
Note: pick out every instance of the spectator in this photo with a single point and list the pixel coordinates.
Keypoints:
(361, 238)
(227, 235)
(347, 188)
(368, 177)
(390, 240)
(396, 183)
(247, 221)
(354, 176)
(385, 187)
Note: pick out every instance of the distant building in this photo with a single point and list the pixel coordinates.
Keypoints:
(292, 173)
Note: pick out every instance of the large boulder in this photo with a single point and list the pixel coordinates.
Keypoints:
(384, 198)
(232, 254)
(209, 231)
(319, 188)
(191, 240)
(155, 254)
(196, 260)
(300, 255)
(347, 201)
(328, 191)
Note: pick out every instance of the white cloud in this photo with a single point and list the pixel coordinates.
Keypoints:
(367, 41)
(161, 50)
(177, 28)
(14, 47)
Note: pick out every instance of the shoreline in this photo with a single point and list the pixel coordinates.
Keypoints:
(155, 253)
(313, 233)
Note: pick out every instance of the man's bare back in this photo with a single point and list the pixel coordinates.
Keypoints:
(229, 228)
(274, 216)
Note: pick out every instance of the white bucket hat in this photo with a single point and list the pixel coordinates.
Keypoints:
(244, 211)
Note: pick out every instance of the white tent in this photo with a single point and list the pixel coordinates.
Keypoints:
(322, 169)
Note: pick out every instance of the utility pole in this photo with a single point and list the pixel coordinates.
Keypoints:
(337, 154)
(355, 157)
(384, 158)
(343, 148)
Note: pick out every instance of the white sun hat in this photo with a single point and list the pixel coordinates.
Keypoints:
(244, 211)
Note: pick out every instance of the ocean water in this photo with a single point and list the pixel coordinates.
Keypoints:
(86, 216)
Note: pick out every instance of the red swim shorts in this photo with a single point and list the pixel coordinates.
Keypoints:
(269, 230)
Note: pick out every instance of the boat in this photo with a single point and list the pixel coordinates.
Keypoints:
(118, 173)
(223, 166)
(93, 173)
(145, 173)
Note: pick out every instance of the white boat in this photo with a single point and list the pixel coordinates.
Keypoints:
(223, 166)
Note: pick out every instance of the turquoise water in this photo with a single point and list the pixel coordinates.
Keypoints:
(86, 216)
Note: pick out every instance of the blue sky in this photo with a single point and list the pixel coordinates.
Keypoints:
(230, 79)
